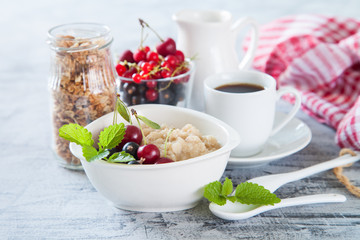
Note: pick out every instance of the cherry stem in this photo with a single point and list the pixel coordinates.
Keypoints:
(142, 38)
(142, 160)
(133, 112)
(144, 24)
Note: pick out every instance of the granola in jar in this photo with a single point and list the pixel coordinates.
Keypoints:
(82, 80)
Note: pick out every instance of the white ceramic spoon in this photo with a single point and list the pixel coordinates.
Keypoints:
(236, 211)
(274, 181)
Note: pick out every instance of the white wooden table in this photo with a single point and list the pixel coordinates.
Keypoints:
(40, 200)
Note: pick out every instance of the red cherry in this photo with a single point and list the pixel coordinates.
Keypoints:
(120, 69)
(164, 160)
(128, 56)
(150, 153)
(136, 77)
(180, 55)
(139, 55)
(152, 56)
(151, 95)
(146, 49)
(167, 47)
(132, 134)
(171, 60)
(130, 72)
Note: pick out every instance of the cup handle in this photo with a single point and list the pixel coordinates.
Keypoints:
(294, 110)
(250, 53)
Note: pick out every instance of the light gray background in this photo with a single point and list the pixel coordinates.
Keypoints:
(39, 200)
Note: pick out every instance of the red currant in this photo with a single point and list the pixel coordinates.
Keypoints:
(171, 60)
(144, 75)
(146, 49)
(141, 63)
(165, 73)
(120, 69)
(146, 67)
(152, 56)
(136, 77)
(157, 75)
(153, 63)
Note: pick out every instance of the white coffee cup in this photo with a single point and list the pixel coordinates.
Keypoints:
(252, 114)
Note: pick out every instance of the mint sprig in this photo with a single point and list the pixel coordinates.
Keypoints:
(252, 193)
(75, 133)
(245, 193)
(121, 157)
(109, 138)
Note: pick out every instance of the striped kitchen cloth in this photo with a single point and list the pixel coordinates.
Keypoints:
(320, 56)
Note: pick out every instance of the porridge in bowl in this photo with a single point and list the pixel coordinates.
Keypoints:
(183, 143)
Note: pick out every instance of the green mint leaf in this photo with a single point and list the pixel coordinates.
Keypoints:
(121, 158)
(245, 193)
(227, 187)
(212, 192)
(231, 198)
(114, 155)
(123, 111)
(91, 154)
(252, 193)
(75, 133)
(111, 136)
(148, 122)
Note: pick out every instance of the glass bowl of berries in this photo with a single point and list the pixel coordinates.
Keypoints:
(153, 176)
(158, 76)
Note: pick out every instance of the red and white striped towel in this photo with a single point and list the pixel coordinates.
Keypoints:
(320, 56)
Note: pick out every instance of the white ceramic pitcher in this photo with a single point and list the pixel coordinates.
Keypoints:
(210, 37)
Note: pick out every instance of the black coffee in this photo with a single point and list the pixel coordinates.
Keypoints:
(240, 88)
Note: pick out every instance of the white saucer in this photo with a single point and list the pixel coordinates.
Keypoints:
(292, 138)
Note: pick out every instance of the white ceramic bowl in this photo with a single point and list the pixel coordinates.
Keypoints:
(161, 187)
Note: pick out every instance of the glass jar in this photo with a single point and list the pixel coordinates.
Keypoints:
(82, 80)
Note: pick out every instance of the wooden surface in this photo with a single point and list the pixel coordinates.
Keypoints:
(40, 200)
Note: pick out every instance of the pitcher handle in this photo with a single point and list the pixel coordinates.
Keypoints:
(280, 92)
(250, 53)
